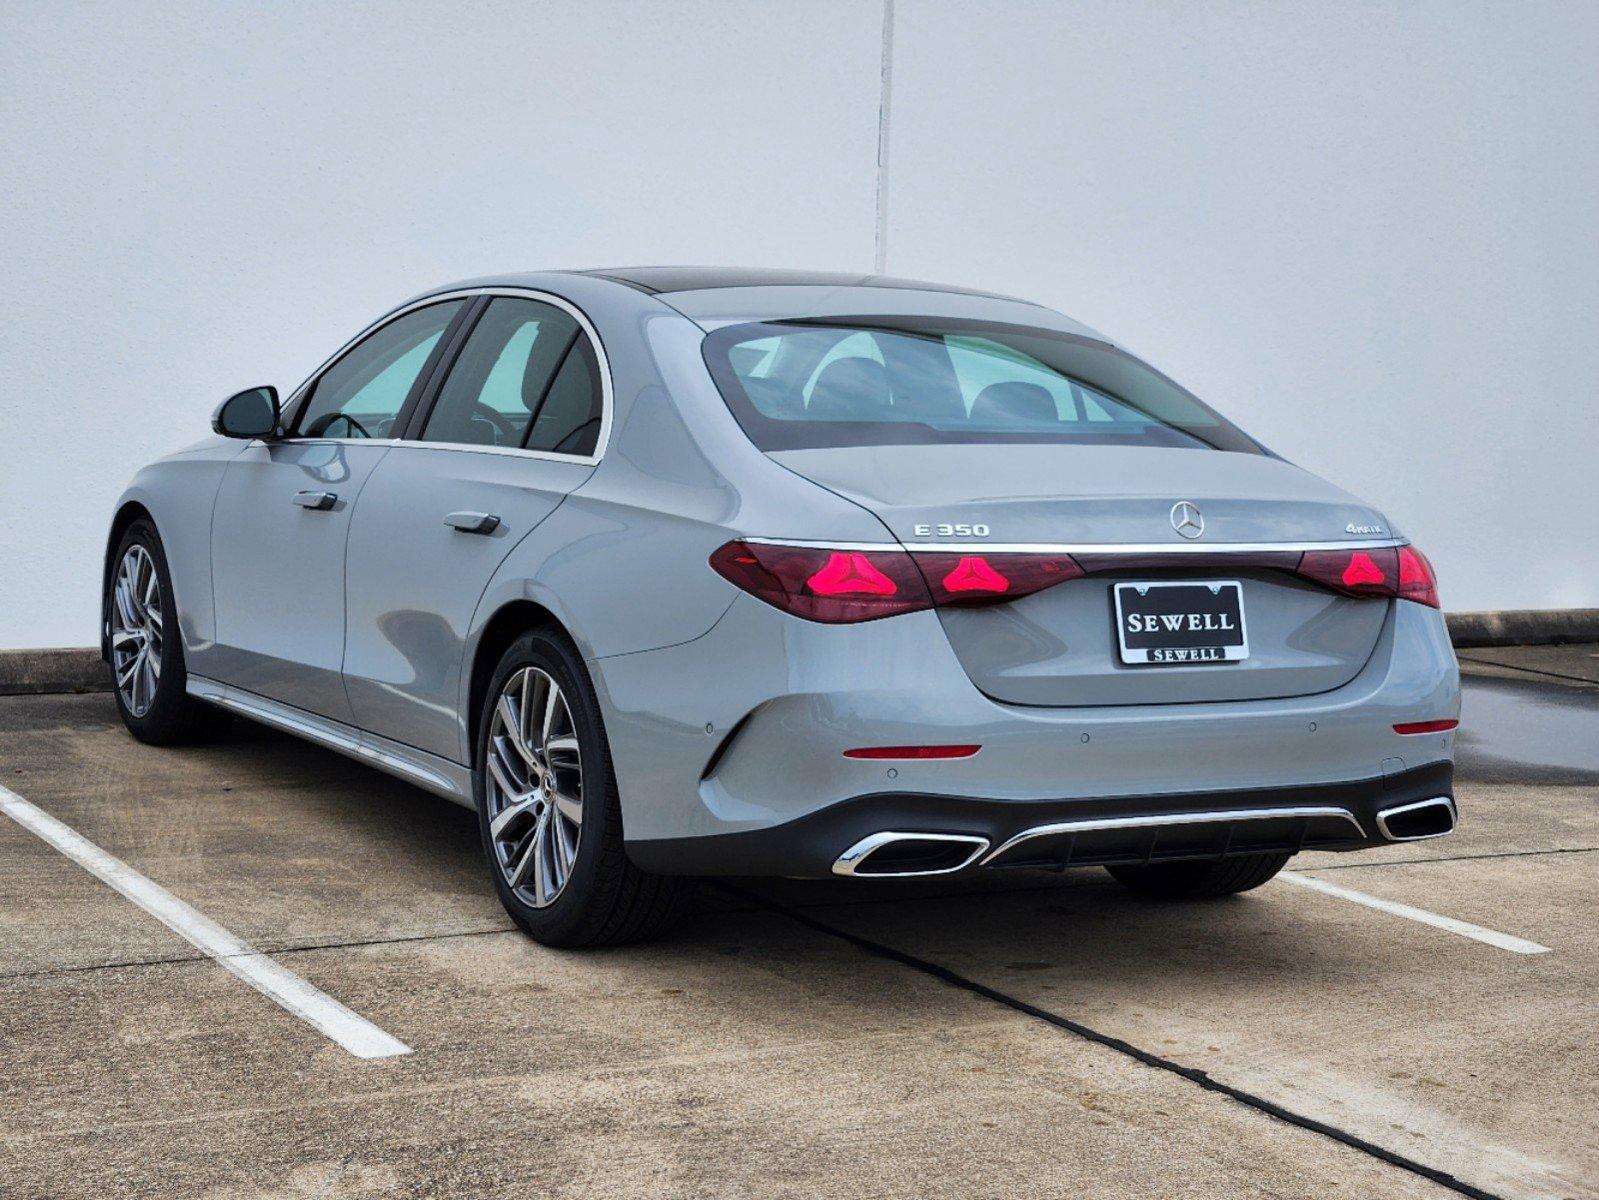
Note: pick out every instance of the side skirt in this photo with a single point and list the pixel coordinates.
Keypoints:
(438, 775)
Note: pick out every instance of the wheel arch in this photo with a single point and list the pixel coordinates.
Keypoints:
(127, 513)
(509, 622)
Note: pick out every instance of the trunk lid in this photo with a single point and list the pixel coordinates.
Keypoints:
(1059, 647)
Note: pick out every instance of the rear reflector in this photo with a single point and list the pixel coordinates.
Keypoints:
(913, 752)
(1426, 726)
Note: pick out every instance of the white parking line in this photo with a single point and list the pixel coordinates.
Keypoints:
(355, 1033)
(1492, 937)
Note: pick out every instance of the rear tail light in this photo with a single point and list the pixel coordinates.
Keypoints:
(834, 586)
(1401, 572)
(1416, 579)
(847, 585)
(968, 579)
(839, 586)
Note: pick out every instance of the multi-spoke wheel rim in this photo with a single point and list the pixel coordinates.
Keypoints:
(136, 630)
(534, 787)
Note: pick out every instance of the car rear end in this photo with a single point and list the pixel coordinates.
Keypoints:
(1101, 625)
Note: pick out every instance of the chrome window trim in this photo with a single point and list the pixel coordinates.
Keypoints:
(607, 392)
(1095, 824)
(979, 547)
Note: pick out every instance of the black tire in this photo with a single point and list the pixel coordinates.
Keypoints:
(605, 900)
(173, 717)
(1201, 880)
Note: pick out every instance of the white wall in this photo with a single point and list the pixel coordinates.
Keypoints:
(1367, 232)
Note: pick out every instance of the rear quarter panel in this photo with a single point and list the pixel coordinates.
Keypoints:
(623, 563)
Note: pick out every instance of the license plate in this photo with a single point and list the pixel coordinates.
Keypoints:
(1178, 623)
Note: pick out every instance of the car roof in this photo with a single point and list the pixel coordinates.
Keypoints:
(715, 296)
(660, 280)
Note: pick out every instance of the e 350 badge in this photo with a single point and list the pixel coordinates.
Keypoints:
(952, 530)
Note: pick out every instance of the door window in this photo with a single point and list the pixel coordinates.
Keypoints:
(568, 422)
(362, 394)
(503, 374)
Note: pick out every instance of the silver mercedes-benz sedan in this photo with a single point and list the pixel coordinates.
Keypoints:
(694, 571)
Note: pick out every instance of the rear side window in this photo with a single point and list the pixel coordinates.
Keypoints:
(503, 374)
(898, 380)
(568, 422)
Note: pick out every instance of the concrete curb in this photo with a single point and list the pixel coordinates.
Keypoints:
(1524, 627)
(39, 672)
(79, 669)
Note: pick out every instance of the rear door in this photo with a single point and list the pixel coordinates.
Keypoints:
(513, 428)
(283, 512)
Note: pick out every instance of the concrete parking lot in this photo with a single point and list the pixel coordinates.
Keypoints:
(1025, 1035)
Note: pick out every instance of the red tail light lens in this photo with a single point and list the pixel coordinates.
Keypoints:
(1416, 579)
(835, 586)
(992, 578)
(1354, 572)
(848, 573)
(1396, 573)
(839, 586)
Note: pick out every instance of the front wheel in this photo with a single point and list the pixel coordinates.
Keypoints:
(548, 807)
(146, 649)
(1201, 880)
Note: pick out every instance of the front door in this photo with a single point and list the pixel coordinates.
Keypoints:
(282, 518)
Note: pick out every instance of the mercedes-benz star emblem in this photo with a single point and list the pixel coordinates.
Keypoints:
(1185, 519)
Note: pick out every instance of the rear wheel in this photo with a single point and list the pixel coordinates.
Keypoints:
(548, 806)
(146, 649)
(1200, 880)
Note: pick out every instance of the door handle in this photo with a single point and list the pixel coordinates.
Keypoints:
(473, 522)
(316, 501)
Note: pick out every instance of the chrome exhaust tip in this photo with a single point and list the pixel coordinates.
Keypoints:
(906, 855)
(1418, 821)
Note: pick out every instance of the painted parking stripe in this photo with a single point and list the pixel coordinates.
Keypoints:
(317, 1009)
(1492, 937)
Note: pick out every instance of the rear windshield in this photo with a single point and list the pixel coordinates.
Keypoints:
(875, 381)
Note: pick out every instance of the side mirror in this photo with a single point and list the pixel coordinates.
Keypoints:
(249, 414)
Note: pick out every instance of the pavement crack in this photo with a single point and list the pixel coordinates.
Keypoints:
(1488, 662)
(1447, 858)
(1194, 1075)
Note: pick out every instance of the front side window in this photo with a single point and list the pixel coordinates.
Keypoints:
(504, 374)
(362, 394)
(904, 380)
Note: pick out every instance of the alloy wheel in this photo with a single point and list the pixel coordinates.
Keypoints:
(136, 629)
(534, 787)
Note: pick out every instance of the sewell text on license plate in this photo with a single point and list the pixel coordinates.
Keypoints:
(1181, 622)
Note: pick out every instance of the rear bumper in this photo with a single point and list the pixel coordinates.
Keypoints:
(1081, 831)
(746, 728)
